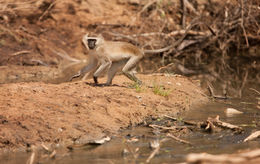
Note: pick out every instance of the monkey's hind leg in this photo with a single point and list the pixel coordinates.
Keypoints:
(112, 71)
(101, 69)
(127, 70)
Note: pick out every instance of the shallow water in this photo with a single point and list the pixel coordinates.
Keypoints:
(170, 151)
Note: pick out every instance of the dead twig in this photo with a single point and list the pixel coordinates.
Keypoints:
(251, 154)
(48, 10)
(222, 124)
(178, 139)
(255, 90)
(186, 122)
(252, 136)
(190, 7)
(46, 148)
(184, 11)
(210, 126)
(164, 67)
(155, 151)
(53, 154)
(150, 3)
(242, 22)
(193, 23)
(32, 157)
(243, 84)
(204, 157)
(187, 43)
(134, 153)
(18, 53)
(223, 158)
(21, 53)
(40, 62)
(212, 94)
(172, 118)
(166, 128)
(171, 34)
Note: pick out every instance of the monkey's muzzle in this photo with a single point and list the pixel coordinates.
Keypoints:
(92, 43)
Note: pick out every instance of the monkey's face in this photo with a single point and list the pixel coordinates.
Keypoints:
(92, 43)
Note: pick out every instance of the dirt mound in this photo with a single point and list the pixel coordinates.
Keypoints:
(32, 112)
(76, 112)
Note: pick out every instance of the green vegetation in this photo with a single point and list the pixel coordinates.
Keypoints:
(161, 90)
(2, 42)
(138, 88)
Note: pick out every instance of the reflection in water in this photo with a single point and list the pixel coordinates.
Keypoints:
(170, 151)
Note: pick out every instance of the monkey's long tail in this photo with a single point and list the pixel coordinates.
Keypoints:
(64, 55)
(158, 50)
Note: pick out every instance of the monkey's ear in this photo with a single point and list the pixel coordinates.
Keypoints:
(85, 41)
(86, 35)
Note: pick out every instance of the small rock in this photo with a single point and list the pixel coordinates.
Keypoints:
(132, 140)
(125, 152)
(154, 144)
(134, 2)
(179, 84)
(231, 111)
(60, 130)
(101, 141)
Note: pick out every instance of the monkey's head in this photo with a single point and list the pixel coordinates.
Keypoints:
(92, 42)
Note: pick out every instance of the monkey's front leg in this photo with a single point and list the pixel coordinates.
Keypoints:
(93, 63)
(75, 76)
(95, 80)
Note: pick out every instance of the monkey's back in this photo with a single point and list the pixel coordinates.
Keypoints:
(121, 48)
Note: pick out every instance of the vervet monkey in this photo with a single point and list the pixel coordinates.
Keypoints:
(110, 55)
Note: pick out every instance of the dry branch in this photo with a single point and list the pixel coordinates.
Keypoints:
(166, 128)
(150, 3)
(32, 156)
(184, 12)
(155, 151)
(212, 94)
(192, 24)
(178, 139)
(222, 124)
(190, 6)
(255, 90)
(204, 157)
(252, 136)
(21, 53)
(48, 9)
(223, 158)
(31, 159)
(242, 21)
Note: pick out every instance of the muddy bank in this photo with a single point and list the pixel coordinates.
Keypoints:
(14, 74)
(76, 112)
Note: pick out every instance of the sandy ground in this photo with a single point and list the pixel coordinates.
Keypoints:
(77, 112)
